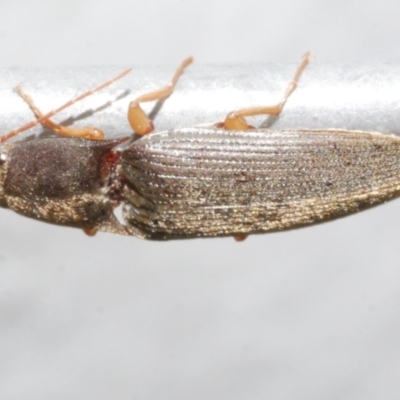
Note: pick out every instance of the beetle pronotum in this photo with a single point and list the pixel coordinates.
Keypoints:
(229, 179)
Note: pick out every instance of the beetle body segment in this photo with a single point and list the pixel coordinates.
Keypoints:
(207, 182)
(66, 181)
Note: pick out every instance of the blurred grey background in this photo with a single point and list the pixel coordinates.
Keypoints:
(307, 314)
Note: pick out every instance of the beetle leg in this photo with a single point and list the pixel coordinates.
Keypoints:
(89, 133)
(236, 120)
(240, 238)
(139, 121)
(90, 231)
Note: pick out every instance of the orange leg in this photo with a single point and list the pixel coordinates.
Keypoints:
(236, 120)
(240, 238)
(139, 121)
(89, 133)
(90, 231)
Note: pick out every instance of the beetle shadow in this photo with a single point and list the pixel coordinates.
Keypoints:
(156, 109)
(48, 132)
(269, 122)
